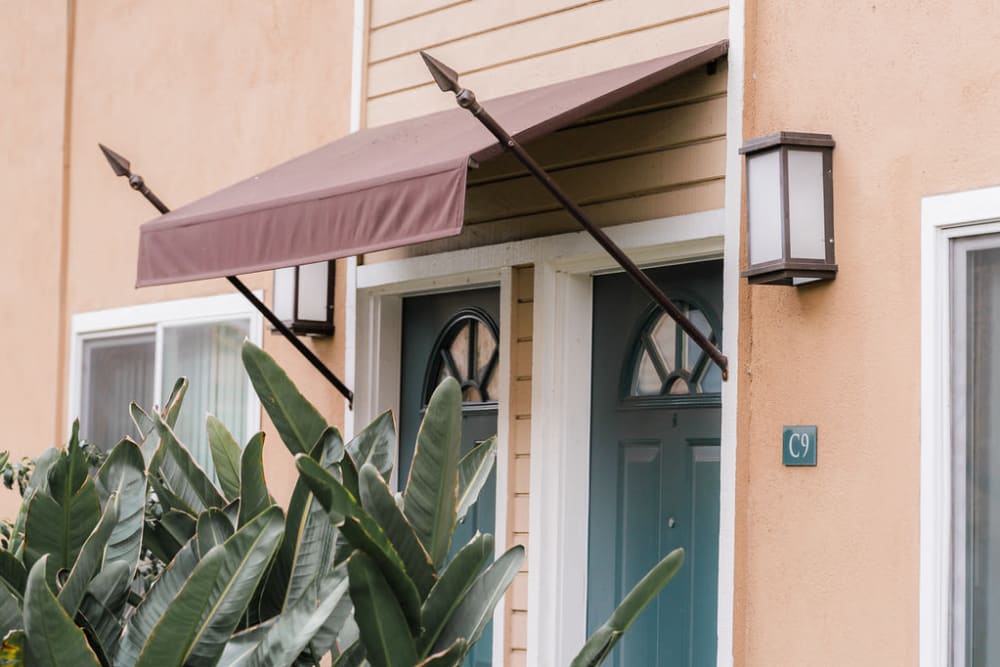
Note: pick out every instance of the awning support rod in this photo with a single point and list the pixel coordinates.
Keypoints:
(447, 80)
(122, 167)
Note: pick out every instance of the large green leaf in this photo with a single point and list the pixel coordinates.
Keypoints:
(52, 637)
(377, 500)
(299, 423)
(60, 519)
(599, 645)
(451, 587)
(124, 476)
(180, 525)
(89, 562)
(213, 528)
(39, 482)
(10, 612)
(172, 406)
(201, 618)
(473, 471)
(376, 444)
(290, 633)
(12, 573)
(383, 625)
(254, 497)
(307, 547)
(431, 495)
(143, 422)
(154, 605)
(102, 607)
(181, 473)
(13, 650)
(363, 532)
(353, 655)
(475, 611)
(225, 456)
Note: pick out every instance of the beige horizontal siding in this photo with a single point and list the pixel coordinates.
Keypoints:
(659, 154)
(501, 47)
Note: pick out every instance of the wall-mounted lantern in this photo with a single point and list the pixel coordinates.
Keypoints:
(789, 209)
(303, 298)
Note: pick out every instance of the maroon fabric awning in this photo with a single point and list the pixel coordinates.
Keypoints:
(374, 189)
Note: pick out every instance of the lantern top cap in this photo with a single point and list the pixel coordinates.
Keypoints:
(806, 139)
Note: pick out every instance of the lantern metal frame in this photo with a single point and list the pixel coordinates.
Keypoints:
(789, 270)
(305, 327)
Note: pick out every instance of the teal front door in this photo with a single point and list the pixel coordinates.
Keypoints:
(654, 464)
(454, 334)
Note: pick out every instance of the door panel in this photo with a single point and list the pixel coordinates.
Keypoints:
(426, 323)
(654, 483)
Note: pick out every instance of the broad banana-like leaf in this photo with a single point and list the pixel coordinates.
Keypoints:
(181, 473)
(39, 482)
(299, 423)
(140, 418)
(201, 618)
(475, 611)
(349, 476)
(53, 640)
(12, 572)
(60, 520)
(254, 497)
(123, 475)
(172, 407)
(363, 532)
(89, 562)
(451, 657)
(180, 525)
(10, 611)
(307, 547)
(376, 444)
(225, 456)
(431, 495)
(384, 628)
(213, 528)
(154, 605)
(599, 645)
(377, 500)
(338, 626)
(451, 587)
(473, 471)
(290, 633)
(13, 650)
(102, 607)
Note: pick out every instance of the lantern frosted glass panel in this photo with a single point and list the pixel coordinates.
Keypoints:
(314, 283)
(765, 207)
(284, 294)
(806, 212)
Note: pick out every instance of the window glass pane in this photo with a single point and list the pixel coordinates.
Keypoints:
(209, 356)
(647, 382)
(116, 371)
(982, 462)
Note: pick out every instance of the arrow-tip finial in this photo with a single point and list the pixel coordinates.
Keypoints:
(120, 165)
(445, 77)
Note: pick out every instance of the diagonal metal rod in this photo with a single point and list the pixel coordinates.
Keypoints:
(447, 80)
(122, 167)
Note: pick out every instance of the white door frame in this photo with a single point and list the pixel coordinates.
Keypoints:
(944, 218)
(564, 265)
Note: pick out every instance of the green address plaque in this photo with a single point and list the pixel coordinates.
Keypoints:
(798, 445)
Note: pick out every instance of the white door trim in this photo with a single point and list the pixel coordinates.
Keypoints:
(944, 218)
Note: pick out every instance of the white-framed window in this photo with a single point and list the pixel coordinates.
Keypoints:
(960, 430)
(136, 353)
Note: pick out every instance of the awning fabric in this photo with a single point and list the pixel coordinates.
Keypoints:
(374, 189)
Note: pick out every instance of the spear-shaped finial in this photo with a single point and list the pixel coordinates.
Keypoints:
(122, 167)
(447, 80)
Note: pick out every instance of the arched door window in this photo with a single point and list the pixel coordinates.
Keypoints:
(468, 350)
(667, 365)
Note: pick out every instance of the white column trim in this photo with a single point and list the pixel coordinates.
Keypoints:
(943, 218)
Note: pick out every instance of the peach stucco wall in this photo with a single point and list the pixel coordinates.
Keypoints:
(197, 95)
(827, 558)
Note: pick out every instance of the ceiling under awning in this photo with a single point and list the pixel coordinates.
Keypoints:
(377, 188)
